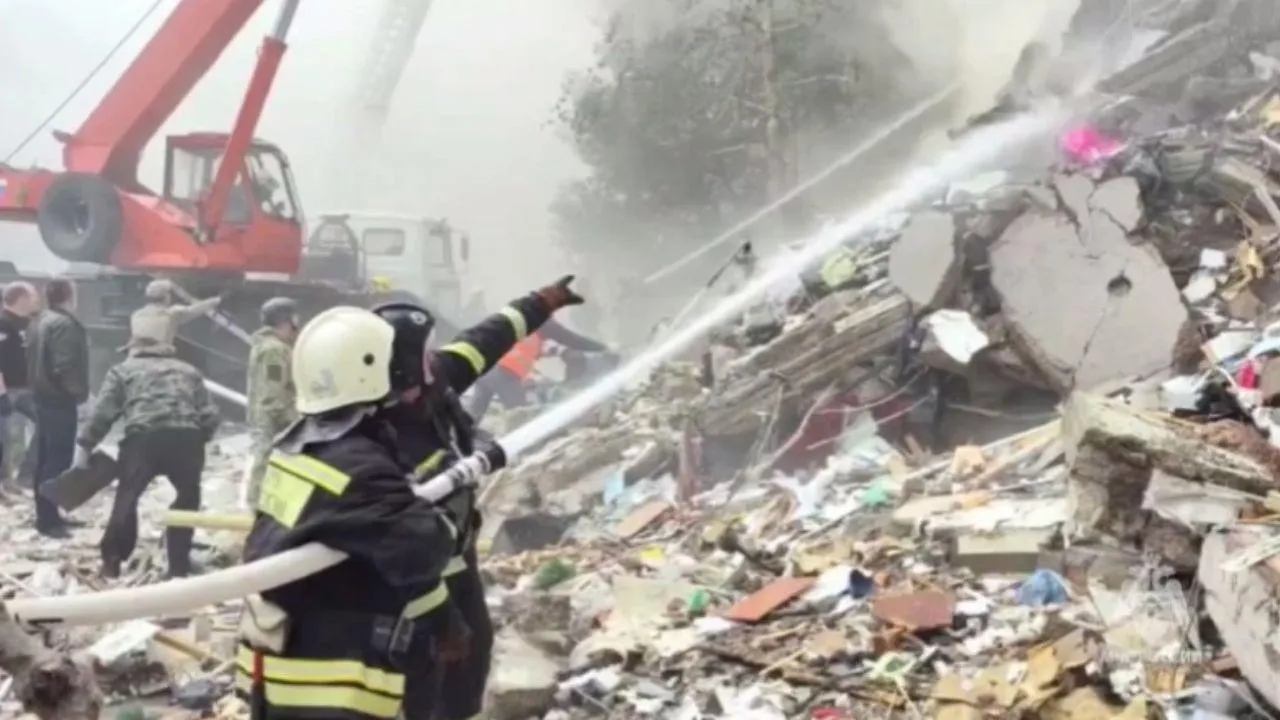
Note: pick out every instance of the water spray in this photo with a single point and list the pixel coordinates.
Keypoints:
(872, 141)
(183, 595)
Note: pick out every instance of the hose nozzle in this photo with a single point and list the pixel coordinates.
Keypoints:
(464, 473)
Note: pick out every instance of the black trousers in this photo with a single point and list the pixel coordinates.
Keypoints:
(499, 383)
(55, 440)
(178, 454)
(455, 691)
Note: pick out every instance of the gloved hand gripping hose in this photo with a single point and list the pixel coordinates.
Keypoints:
(464, 473)
(174, 597)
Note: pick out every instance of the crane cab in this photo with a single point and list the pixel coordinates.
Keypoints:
(381, 251)
(262, 219)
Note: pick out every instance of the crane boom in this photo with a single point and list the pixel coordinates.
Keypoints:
(110, 141)
(389, 54)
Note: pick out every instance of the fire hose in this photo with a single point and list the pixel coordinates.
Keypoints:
(180, 595)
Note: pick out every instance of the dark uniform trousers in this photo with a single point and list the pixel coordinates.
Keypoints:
(455, 691)
(344, 666)
(178, 454)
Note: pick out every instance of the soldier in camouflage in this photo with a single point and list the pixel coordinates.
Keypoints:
(161, 316)
(167, 417)
(270, 387)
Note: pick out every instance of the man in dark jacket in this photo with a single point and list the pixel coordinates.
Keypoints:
(21, 302)
(58, 357)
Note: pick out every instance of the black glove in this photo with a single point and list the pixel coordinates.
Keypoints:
(560, 295)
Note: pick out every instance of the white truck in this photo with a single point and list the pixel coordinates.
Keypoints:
(389, 253)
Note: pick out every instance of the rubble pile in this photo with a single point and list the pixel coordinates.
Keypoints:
(1011, 454)
(1019, 460)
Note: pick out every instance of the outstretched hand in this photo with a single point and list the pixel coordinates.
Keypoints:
(560, 295)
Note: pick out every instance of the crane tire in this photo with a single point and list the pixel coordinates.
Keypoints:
(81, 218)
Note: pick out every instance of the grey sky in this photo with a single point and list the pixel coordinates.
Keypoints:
(467, 138)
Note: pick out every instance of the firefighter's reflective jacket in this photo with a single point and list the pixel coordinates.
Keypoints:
(334, 643)
(424, 440)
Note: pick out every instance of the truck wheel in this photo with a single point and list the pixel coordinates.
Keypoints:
(80, 218)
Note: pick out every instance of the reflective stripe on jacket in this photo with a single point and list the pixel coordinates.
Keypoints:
(476, 350)
(346, 687)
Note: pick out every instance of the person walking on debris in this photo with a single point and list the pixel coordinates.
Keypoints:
(270, 387)
(58, 368)
(335, 644)
(434, 432)
(168, 417)
(161, 316)
(508, 383)
(21, 303)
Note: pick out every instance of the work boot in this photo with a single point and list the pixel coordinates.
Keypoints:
(56, 531)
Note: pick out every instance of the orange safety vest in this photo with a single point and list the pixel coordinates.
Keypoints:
(519, 360)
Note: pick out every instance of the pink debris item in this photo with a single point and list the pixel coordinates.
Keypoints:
(1088, 145)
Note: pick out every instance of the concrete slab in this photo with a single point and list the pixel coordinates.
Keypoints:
(1075, 191)
(924, 263)
(523, 680)
(1084, 304)
(1121, 199)
(1005, 552)
(1242, 606)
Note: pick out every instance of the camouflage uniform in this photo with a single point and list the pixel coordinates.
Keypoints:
(270, 401)
(160, 320)
(167, 416)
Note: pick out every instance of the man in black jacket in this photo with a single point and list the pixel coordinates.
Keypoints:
(21, 302)
(58, 357)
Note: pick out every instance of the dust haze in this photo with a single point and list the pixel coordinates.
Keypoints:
(469, 134)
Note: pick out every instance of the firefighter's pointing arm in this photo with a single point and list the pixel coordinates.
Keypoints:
(477, 349)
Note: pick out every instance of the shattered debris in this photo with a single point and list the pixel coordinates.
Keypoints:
(974, 475)
(998, 462)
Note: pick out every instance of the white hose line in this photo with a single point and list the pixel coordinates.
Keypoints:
(174, 597)
(182, 595)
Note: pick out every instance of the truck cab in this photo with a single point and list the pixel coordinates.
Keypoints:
(379, 251)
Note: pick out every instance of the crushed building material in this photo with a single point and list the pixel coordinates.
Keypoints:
(814, 519)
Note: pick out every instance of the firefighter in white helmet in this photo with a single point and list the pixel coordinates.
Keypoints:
(334, 644)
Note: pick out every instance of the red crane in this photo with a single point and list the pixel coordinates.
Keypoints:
(229, 201)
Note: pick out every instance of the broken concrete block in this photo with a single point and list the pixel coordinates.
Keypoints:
(1003, 552)
(810, 357)
(924, 263)
(522, 533)
(1113, 449)
(1242, 606)
(1150, 440)
(1081, 302)
(522, 682)
(538, 611)
(1121, 199)
(1074, 191)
